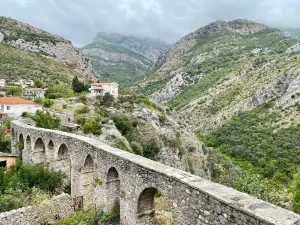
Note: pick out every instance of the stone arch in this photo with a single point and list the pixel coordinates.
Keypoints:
(88, 180)
(148, 207)
(50, 153)
(63, 152)
(51, 145)
(112, 190)
(21, 142)
(26, 154)
(63, 162)
(38, 154)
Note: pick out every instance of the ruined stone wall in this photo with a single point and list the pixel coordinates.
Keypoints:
(48, 212)
(104, 175)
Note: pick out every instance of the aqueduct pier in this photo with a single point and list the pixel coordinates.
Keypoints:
(103, 175)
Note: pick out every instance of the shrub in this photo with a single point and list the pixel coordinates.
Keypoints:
(59, 91)
(123, 124)
(92, 127)
(83, 110)
(151, 148)
(14, 91)
(108, 99)
(47, 102)
(44, 120)
(137, 148)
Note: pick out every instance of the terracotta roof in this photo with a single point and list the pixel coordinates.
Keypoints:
(16, 100)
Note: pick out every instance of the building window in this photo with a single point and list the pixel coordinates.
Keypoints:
(8, 107)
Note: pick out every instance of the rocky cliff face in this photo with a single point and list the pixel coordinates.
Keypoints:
(294, 33)
(123, 58)
(217, 71)
(27, 37)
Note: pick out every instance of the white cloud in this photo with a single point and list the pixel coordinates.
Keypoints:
(81, 20)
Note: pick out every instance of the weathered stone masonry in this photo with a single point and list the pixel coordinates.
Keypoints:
(105, 175)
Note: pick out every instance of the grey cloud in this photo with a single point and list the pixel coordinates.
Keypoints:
(81, 20)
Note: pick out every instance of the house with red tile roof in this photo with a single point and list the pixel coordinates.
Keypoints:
(15, 106)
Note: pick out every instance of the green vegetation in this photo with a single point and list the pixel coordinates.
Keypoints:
(93, 216)
(16, 64)
(59, 91)
(38, 83)
(123, 123)
(14, 91)
(92, 127)
(44, 120)
(78, 86)
(254, 156)
(4, 138)
(22, 185)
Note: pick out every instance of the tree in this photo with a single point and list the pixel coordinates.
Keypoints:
(92, 127)
(38, 83)
(295, 190)
(14, 91)
(108, 99)
(45, 120)
(59, 91)
(78, 86)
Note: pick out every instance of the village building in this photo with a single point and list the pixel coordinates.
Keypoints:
(15, 106)
(34, 93)
(100, 88)
(26, 83)
(7, 159)
(2, 83)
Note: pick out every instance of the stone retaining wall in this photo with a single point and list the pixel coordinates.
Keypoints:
(48, 212)
(104, 175)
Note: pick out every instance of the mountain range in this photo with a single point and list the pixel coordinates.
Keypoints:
(123, 58)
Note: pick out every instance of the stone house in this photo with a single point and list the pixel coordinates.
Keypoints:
(7, 159)
(100, 88)
(34, 93)
(26, 83)
(15, 106)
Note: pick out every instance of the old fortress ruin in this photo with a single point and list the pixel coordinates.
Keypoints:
(103, 175)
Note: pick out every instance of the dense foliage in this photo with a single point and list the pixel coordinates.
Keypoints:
(44, 120)
(78, 86)
(14, 91)
(93, 216)
(22, 185)
(4, 138)
(92, 127)
(59, 91)
(254, 155)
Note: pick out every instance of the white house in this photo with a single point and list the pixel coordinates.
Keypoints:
(2, 83)
(15, 106)
(26, 83)
(34, 93)
(100, 88)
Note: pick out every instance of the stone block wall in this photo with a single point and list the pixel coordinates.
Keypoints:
(103, 175)
(48, 212)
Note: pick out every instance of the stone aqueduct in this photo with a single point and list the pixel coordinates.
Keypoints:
(105, 175)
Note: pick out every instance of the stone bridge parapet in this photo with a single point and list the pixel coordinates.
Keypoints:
(103, 175)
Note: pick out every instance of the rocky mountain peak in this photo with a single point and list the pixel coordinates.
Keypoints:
(24, 36)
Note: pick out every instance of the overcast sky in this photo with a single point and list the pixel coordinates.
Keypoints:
(81, 20)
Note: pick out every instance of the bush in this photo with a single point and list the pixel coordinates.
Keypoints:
(92, 127)
(151, 148)
(44, 120)
(137, 148)
(83, 110)
(59, 91)
(123, 124)
(47, 103)
(22, 185)
(14, 91)
(107, 99)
